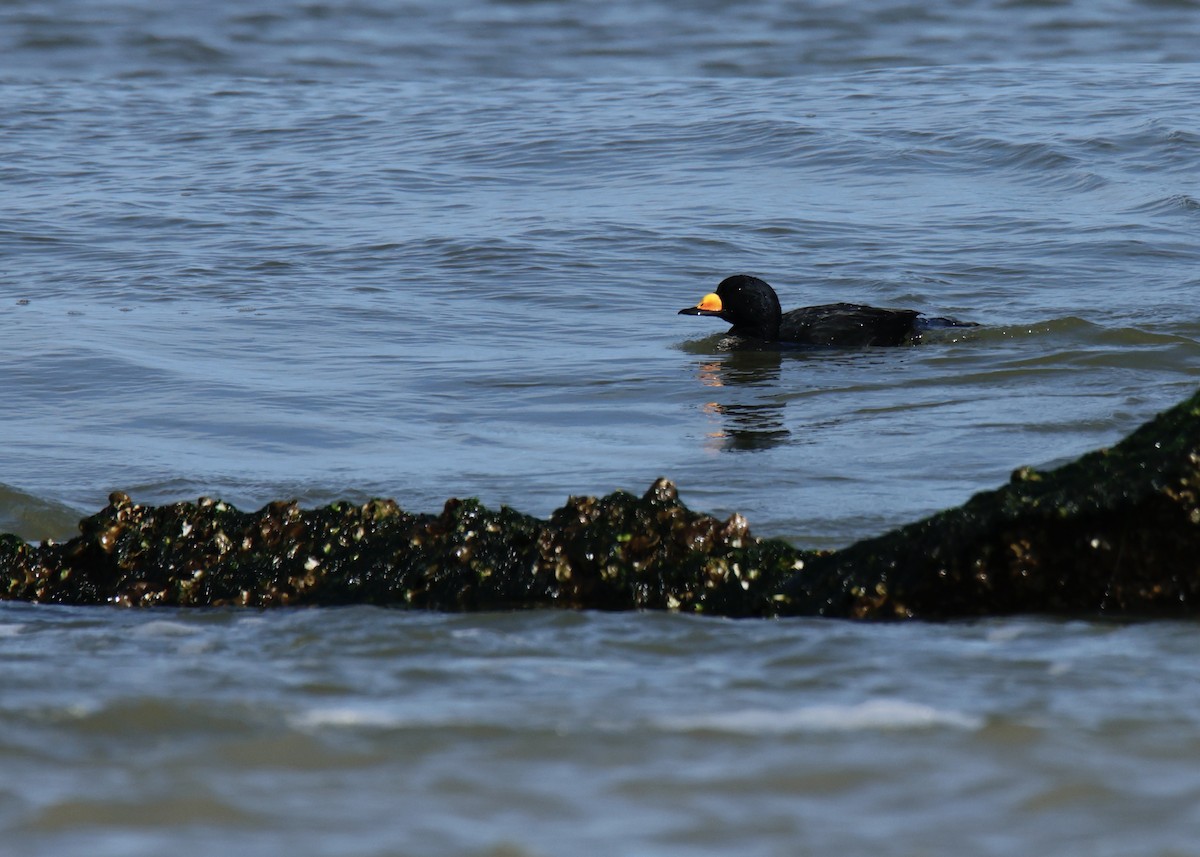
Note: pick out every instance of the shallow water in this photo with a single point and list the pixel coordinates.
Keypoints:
(360, 731)
(437, 250)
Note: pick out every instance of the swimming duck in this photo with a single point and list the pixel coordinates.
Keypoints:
(752, 307)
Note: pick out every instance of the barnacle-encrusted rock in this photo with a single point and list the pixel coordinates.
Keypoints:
(1116, 532)
(618, 552)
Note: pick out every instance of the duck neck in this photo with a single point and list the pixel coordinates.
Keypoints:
(762, 319)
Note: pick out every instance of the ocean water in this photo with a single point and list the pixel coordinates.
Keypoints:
(344, 250)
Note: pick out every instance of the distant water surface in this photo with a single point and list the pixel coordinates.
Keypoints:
(344, 250)
(558, 38)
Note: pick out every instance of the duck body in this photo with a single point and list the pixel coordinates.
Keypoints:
(753, 308)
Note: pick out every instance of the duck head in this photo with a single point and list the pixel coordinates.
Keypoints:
(746, 302)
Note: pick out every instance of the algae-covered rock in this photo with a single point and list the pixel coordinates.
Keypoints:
(1116, 532)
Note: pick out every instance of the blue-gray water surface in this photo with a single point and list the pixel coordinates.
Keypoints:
(355, 249)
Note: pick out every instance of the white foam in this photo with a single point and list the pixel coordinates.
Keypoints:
(873, 714)
(344, 717)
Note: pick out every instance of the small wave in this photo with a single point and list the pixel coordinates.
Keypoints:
(1047, 164)
(165, 628)
(1177, 203)
(33, 517)
(185, 49)
(872, 715)
(1084, 333)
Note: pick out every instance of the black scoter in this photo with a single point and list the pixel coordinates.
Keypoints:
(752, 307)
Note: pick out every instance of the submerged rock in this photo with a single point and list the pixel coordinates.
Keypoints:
(1116, 532)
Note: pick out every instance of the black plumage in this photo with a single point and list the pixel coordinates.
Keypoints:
(752, 307)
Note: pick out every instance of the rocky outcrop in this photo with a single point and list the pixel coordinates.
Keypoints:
(618, 552)
(1115, 532)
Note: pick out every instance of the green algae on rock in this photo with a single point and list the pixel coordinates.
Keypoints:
(1116, 532)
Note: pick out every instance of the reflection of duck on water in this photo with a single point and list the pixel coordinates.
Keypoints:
(752, 307)
(751, 415)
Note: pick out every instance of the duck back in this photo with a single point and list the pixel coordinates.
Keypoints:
(848, 325)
